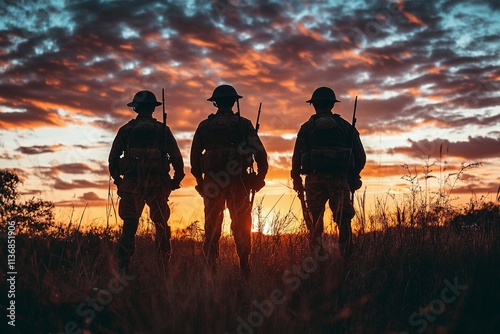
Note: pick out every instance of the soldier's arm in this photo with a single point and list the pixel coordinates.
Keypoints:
(196, 152)
(359, 153)
(297, 154)
(260, 153)
(175, 156)
(117, 150)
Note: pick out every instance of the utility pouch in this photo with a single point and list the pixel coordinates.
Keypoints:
(215, 160)
(330, 160)
(145, 161)
(124, 165)
(305, 163)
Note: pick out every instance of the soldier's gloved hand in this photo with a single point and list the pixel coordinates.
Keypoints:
(199, 186)
(354, 182)
(118, 181)
(257, 182)
(297, 184)
(176, 183)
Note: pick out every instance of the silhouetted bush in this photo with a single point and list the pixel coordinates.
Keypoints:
(485, 216)
(33, 216)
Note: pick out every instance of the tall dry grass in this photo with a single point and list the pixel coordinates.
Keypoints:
(393, 273)
(408, 274)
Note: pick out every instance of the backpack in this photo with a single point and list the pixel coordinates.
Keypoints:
(143, 156)
(327, 149)
(222, 139)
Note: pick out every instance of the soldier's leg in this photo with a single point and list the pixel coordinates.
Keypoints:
(317, 195)
(214, 202)
(129, 209)
(343, 210)
(160, 213)
(238, 203)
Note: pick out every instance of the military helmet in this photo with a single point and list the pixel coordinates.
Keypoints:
(144, 96)
(323, 94)
(223, 91)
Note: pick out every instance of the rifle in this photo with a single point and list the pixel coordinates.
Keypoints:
(164, 141)
(164, 113)
(305, 210)
(239, 119)
(252, 171)
(351, 144)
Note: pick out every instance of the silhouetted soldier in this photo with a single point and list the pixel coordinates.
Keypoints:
(148, 148)
(221, 154)
(322, 152)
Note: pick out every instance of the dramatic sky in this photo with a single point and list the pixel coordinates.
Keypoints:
(426, 74)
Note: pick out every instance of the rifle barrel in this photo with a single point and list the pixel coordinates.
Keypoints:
(353, 126)
(163, 100)
(257, 125)
(354, 113)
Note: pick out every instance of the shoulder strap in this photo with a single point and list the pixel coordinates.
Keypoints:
(130, 125)
(344, 125)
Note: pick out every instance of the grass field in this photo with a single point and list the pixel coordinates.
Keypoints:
(399, 280)
(417, 268)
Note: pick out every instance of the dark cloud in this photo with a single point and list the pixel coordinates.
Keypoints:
(412, 64)
(31, 193)
(39, 149)
(71, 168)
(85, 173)
(89, 199)
(475, 148)
(90, 196)
(273, 50)
(475, 188)
(79, 183)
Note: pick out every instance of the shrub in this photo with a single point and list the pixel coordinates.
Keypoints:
(33, 216)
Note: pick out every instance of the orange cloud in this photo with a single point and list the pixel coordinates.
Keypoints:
(52, 81)
(309, 33)
(435, 98)
(14, 120)
(118, 89)
(127, 47)
(55, 118)
(436, 70)
(412, 18)
(351, 58)
(291, 85)
(415, 91)
(194, 84)
(82, 88)
(374, 169)
(198, 42)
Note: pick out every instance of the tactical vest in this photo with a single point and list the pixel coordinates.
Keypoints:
(223, 138)
(143, 158)
(327, 149)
